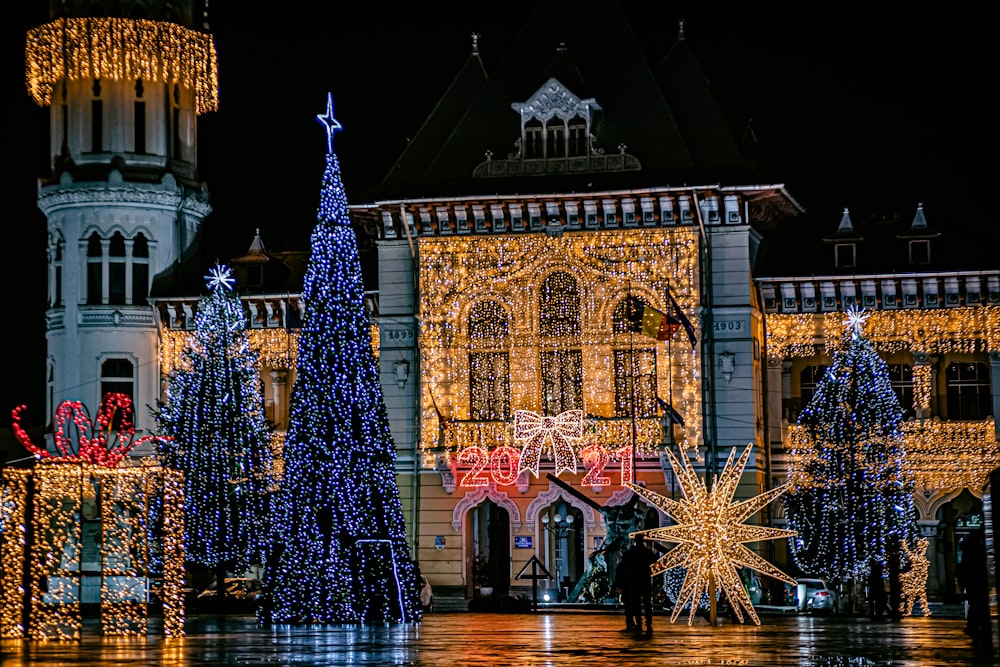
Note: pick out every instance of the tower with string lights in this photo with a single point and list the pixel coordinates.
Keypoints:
(122, 201)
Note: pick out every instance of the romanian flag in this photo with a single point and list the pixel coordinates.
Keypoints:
(651, 322)
(657, 325)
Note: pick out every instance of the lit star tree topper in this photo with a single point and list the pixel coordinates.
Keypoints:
(710, 535)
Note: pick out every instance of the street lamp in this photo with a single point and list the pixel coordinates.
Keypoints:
(402, 370)
(558, 524)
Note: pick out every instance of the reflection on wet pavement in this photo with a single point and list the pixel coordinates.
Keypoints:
(449, 639)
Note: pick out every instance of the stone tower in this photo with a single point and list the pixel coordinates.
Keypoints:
(125, 83)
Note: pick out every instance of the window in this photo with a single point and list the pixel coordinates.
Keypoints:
(533, 139)
(562, 381)
(95, 270)
(489, 369)
(559, 306)
(118, 376)
(140, 127)
(901, 378)
(97, 120)
(577, 137)
(140, 269)
(562, 368)
(920, 252)
(635, 382)
(809, 379)
(845, 255)
(177, 123)
(968, 391)
(116, 269)
(55, 294)
(555, 137)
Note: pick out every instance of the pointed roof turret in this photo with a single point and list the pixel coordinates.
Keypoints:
(845, 230)
(919, 228)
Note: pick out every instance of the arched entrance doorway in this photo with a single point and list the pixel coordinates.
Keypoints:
(488, 535)
(561, 528)
(959, 518)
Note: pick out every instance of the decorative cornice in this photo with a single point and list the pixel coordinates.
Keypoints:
(166, 197)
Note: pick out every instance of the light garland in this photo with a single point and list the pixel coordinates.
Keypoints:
(533, 302)
(939, 455)
(933, 331)
(710, 535)
(914, 581)
(121, 50)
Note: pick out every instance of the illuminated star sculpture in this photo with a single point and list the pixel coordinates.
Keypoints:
(856, 321)
(710, 534)
(220, 277)
(329, 122)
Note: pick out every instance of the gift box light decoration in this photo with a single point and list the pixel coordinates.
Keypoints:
(484, 308)
(79, 523)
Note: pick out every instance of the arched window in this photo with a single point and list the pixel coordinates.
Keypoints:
(489, 362)
(534, 140)
(559, 306)
(634, 371)
(968, 391)
(118, 376)
(140, 269)
(577, 144)
(95, 269)
(555, 138)
(116, 269)
(56, 260)
(561, 357)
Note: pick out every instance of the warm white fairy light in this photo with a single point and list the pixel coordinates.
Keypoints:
(914, 580)
(710, 534)
(121, 49)
(529, 300)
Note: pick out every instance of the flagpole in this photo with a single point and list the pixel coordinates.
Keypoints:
(631, 362)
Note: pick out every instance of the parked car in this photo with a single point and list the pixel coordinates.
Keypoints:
(242, 593)
(814, 596)
(426, 594)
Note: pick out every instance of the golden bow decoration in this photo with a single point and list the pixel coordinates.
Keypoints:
(563, 431)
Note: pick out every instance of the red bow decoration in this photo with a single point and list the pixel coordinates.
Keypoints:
(73, 432)
(534, 430)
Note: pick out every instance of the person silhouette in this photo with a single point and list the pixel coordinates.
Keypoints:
(973, 577)
(634, 578)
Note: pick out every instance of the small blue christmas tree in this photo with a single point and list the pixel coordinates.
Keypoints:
(852, 497)
(340, 552)
(220, 439)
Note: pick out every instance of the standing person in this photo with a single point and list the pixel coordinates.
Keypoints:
(876, 590)
(972, 576)
(895, 584)
(635, 577)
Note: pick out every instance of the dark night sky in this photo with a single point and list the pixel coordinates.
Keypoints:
(872, 111)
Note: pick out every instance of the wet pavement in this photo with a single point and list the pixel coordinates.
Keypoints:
(528, 639)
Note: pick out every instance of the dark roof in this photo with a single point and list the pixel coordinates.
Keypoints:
(669, 120)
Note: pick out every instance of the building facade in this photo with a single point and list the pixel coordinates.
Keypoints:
(532, 208)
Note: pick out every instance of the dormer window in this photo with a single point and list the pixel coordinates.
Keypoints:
(845, 255)
(555, 123)
(920, 252)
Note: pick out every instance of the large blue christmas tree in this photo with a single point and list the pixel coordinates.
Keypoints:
(340, 552)
(852, 497)
(220, 439)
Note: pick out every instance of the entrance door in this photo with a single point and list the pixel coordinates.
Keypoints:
(489, 550)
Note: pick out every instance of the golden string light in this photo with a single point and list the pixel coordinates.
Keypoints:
(933, 331)
(121, 50)
(939, 455)
(710, 534)
(62, 495)
(538, 306)
(275, 348)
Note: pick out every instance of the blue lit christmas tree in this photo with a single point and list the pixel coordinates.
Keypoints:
(340, 553)
(214, 412)
(851, 498)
